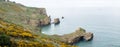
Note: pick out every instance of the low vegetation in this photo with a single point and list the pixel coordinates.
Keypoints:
(16, 32)
(16, 36)
(20, 14)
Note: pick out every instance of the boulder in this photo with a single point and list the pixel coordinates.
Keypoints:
(88, 36)
(56, 21)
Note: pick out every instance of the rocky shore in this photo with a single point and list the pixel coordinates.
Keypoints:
(22, 23)
(72, 38)
(79, 35)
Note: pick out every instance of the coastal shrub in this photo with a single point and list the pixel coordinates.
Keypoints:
(16, 30)
(5, 40)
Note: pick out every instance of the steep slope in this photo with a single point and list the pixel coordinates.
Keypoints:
(28, 17)
(21, 23)
(21, 37)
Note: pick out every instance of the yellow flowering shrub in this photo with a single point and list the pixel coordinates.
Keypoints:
(21, 37)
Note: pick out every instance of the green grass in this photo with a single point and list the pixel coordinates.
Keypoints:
(19, 14)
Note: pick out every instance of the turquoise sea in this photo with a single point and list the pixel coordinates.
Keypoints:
(104, 22)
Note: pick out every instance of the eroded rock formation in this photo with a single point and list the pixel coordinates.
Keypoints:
(88, 36)
(78, 35)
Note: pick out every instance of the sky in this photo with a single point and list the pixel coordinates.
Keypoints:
(69, 3)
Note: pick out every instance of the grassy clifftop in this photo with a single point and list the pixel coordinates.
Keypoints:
(28, 17)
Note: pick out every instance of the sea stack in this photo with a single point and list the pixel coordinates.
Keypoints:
(56, 21)
(62, 17)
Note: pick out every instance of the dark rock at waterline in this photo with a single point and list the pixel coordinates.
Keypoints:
(62, 17)
(56, 21)
(88, 36)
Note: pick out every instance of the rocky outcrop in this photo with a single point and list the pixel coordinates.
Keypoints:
(45, 21)
(78, 35)
(42, 11)
(39, 20)
(88, 36)
(56, 21)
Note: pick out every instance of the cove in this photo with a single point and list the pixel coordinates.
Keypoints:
(104, 22)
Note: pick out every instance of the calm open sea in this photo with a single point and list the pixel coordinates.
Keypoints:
(104, 22)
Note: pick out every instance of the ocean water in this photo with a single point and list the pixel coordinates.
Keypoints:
(104, 22)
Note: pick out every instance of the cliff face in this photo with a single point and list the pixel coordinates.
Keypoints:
(15, 22)
(42, 20)
(28, 17)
